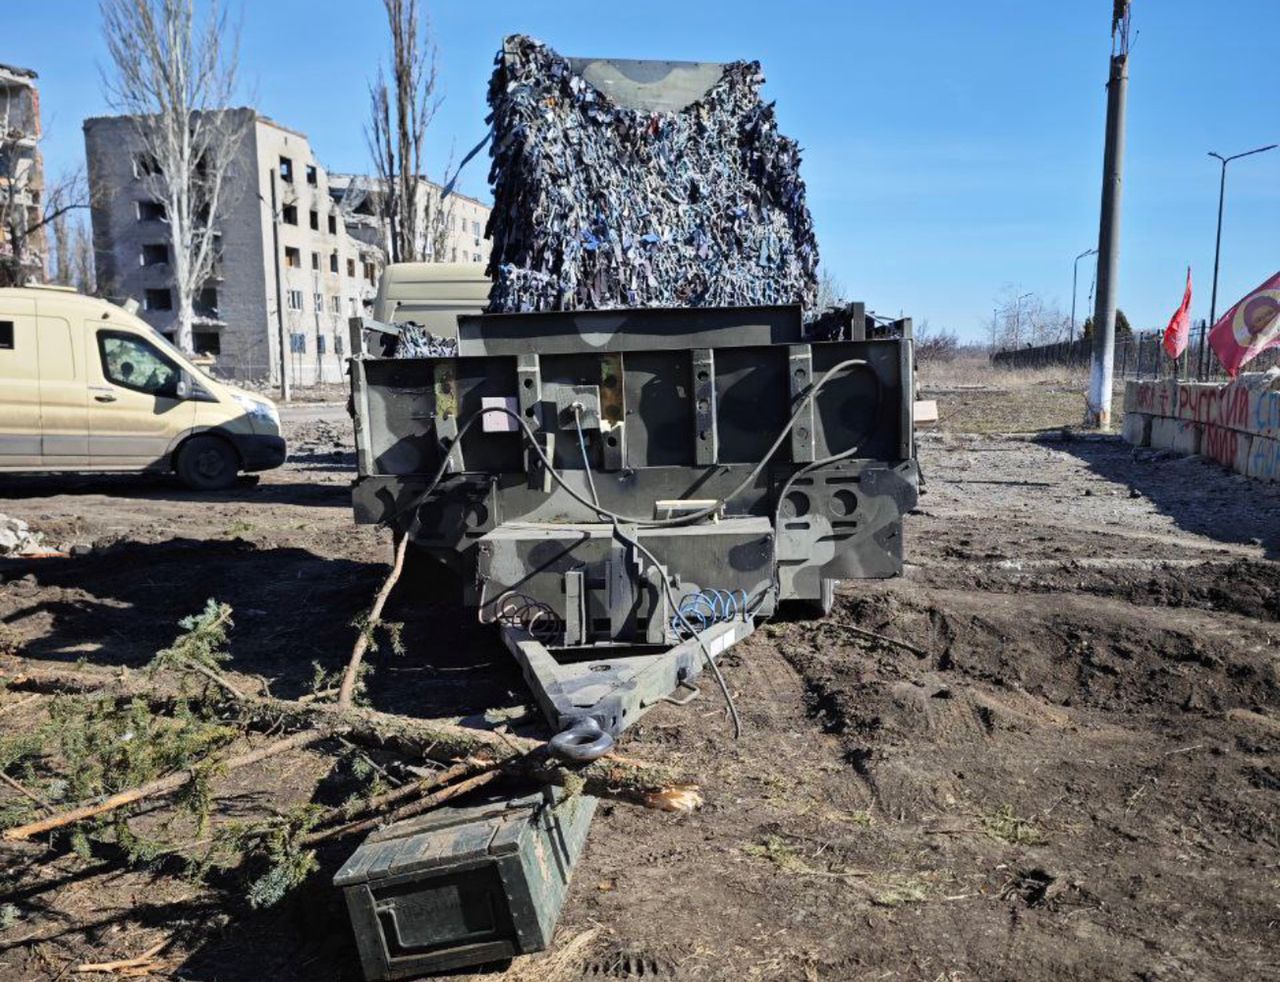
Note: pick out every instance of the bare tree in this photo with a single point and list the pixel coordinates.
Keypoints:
(830, 290)
(29, 208)
(400, 115)
(83, 273)
(176, 78)
(1026, 319)
(935, 344)
(61, 251)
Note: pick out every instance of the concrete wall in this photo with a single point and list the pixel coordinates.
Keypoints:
(1236, 424)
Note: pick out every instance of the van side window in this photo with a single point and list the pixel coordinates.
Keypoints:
(133, 363)
(6, 335)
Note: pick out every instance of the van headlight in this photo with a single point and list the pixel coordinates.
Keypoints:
(257, 409)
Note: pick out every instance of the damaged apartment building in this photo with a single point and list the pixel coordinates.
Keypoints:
(22, 238)
(331, 249)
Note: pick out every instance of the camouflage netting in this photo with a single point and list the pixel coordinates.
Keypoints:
(601, 206)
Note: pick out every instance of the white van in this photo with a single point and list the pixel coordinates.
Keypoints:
(87, 386)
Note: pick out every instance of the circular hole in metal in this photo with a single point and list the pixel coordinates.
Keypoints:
(703, 405)
(843, 503)
(801, 374)
(528, 383)
(703, 375)
(477, 515)
(611, 440)
(796, 505)
(529, 412)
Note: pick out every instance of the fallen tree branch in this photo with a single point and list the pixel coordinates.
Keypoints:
(142, 964)
(612, 776)
(862, 632)
(417, 807)
(161, 786)
(346, 692)
(25, 792)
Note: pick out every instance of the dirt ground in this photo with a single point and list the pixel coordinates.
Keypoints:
(1071, 770)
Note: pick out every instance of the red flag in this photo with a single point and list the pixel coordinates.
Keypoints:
(1248, 328)
(1179, 329)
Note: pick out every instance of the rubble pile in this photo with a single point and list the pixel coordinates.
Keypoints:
(17, 539)
(598, 206)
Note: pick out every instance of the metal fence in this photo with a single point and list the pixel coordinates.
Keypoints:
(1142, 355)
(1076, 352)
(1139, 354)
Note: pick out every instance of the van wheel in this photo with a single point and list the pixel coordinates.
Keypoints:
(207, 463)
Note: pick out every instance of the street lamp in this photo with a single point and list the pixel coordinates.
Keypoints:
(1075, 272)
(1017, 318)
(1217, 248)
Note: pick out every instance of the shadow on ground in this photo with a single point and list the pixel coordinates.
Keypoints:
(293, 610)
(1199, 495)
(164, 487)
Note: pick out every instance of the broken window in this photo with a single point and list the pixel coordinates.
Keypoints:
(158, 299)
(286, 170)
(333, 262)
(292, 257)
(315, 220)
(206, 303)
(289, 214)
(151, 211)
(145, 165)
(315, 261)
(295, 299)
(370, 271)
(351, 267)
(333, 226)
(311, 174)
(207, 342)
(155, 254)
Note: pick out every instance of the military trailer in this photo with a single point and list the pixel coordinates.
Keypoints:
(625, 494)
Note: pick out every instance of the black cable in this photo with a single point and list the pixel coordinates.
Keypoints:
(688, 518)
(662, 576)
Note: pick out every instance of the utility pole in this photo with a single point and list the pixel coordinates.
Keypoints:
(1075, 274)
(286, 391)
(1104, 312)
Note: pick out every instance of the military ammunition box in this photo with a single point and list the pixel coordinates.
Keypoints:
(464, 886)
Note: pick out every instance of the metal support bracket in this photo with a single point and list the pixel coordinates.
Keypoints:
(706, 436)
(613, 412)
(529, 400)
(800, 372)
(444, 373)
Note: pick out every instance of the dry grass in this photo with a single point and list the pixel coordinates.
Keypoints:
(975, 397)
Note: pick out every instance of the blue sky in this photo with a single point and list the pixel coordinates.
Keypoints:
(950, 149)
